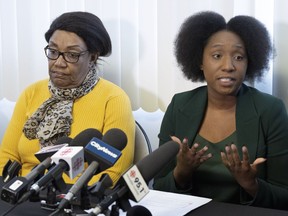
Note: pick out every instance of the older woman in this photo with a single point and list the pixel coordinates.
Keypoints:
(233, 138)
(73, 99)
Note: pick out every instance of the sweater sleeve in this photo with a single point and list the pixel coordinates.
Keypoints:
(9, 145)
(14, 141)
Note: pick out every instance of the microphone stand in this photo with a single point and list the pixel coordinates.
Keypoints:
(114, 210)
(50, 202)
(98, 189)
(84, 198)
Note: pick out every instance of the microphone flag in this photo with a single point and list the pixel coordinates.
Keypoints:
(108, 155)
(74, 156)
(136, 183)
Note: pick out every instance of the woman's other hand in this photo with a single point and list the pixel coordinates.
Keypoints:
(243, 171)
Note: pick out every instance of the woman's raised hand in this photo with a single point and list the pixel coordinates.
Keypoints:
(242, 170)
(188, 160)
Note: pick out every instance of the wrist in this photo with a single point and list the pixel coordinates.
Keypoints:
(252, 188)
(182, 180)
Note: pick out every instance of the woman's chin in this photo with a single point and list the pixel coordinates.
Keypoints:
(59, 83)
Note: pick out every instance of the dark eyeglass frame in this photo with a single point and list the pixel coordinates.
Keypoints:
(64, 54)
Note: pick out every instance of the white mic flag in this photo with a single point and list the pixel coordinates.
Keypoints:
(73, 156)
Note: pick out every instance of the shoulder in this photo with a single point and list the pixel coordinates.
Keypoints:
(38, 89)
(187, 101)
(38, 85)
(196, 94)
(104, 84)
(261, 100)
(107, 83)
(259, 96)
(107, 90)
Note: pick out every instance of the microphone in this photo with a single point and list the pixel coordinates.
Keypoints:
(69, 159)
(149, 166)
(138, 210)
(108, 150)
(119, 139)
(50, 150)
(14, 189)
(85, 136)
(115, 140)
(10, 170)
(63, 139)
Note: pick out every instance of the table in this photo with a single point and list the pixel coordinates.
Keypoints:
(212, 208)
(222, 209)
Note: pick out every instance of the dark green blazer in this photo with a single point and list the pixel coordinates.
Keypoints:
(261, 125)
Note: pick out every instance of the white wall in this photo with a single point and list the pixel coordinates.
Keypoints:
(142, 33)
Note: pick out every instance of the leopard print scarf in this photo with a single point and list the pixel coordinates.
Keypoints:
(54, 117)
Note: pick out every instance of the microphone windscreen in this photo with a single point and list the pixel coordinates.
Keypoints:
(85, 136)
(108, 150)
(150, 165)
(138, 210)
(62, 140)
(115, 137)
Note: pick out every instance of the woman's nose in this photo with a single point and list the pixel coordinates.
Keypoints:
(60, 61)
(228, 64)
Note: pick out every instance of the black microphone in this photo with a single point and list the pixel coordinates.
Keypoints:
(108, 150)
(51, 150)
(63, 139)
(10, 170)
(68, 159)
(149, 166)
(14, 189)
(119, 139)
(138, 210)
(85, 136)
(114, 138)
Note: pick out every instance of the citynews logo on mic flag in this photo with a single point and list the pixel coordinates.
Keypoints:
(73, 156)
(105, 151)
(136, 183)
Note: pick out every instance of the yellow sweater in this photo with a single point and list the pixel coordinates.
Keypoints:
(106, 106)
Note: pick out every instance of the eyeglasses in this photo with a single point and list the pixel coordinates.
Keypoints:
(71, 57)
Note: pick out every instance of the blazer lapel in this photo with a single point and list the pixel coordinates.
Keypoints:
(247, 122)
(191, 115)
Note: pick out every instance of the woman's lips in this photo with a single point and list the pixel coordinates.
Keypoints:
(226, 81)
(57, 74)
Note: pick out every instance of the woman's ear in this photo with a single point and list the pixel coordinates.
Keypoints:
(94, 57)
